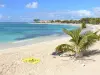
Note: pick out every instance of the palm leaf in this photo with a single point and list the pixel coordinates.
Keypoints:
(75, 34)
(97, 31)
(64, 48)
(87, 40)
(80, 42)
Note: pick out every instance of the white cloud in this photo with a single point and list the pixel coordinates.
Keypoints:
(75, 14)
(4, 17)
(9, 17)
(51, 14)
(32, 5)
(2, 5)
(96, 12)
(84, 13)
(25, 18)
(67, 14)
(1, 16)
(70, 14)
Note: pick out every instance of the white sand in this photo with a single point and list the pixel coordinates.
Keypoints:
(59, 24)
(11, 64)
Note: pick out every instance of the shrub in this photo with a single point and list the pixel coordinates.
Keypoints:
(83, 25)
(80, 43)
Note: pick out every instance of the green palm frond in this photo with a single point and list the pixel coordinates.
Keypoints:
(88, 44)
(87, 40)
(75, 34)
(97, 31)
(64, 48)
(80, 42)
(84, 37)
(99, 37)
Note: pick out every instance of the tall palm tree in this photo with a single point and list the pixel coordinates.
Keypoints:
(80, 42)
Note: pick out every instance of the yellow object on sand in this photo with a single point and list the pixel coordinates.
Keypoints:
(31, 60)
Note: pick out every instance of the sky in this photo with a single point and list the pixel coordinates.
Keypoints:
(27, 10)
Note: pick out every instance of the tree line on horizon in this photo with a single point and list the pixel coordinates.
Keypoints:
(85, 20)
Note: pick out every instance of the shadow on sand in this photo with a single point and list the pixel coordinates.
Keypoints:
(89, 53)
(86, 54)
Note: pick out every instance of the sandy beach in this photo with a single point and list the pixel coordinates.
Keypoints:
(49, 37)
(11, 60)
(59, 24)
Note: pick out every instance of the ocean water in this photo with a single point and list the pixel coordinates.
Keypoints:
(10, 32)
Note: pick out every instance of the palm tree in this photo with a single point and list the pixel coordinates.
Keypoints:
(36, 20)
(80, 42)
(83, 25)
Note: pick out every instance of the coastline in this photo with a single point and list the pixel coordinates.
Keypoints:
(58, 24)
(11, 60)
(18, 43)
(59, 39)
(79, 24)
(66, 24)
(31, 41)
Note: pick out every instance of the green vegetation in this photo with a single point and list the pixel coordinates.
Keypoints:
(57, 21)
(36, 20)
(79, 42)
(52, 21)
(99, 37)
(91, 20)
(83, 25)
(86, 20)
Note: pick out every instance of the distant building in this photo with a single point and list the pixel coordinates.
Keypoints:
(44, 21)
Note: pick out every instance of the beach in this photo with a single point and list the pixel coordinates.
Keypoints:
(11, 60)
(49, 37)
(59, 24)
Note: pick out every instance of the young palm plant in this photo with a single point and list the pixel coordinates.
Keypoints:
(80, 42)
(83, 25)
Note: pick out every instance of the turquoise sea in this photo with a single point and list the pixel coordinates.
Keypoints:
(15, 31)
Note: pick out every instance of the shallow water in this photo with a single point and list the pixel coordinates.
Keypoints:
(10, 32)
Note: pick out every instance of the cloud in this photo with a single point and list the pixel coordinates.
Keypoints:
(70, 14)
(96, 12)
(47, 15)
(26, 18)
(2, 5)
(9, 17)
(1, 16)
(67, 14)
(84, 13)
(5, 17)
(75, 14)
(32, 5)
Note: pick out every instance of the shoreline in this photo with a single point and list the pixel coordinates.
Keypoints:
(31, 41)
(60, 39)
(79, 24)
(11, 60)
(58, 24)
(5, 45)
